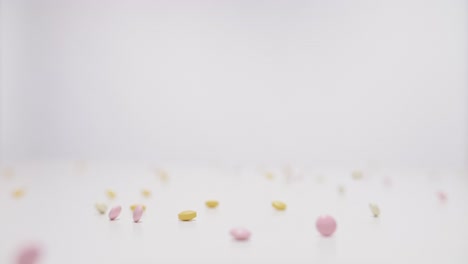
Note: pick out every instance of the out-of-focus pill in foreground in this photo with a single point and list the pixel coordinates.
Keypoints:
(212, 203)
(187, 215)
(326, 225)
(29, 254)
(137, 213)
(240, 233)
(115, 212)
(278, 205)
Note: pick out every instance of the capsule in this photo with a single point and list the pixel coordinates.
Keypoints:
(101, 208)
(134, 206)
(212, 203)
(115, 212)
(187, 215)
(278, 205)
(374, 209)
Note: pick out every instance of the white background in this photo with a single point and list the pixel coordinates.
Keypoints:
(347, 83)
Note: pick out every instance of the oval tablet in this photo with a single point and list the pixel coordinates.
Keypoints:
(278, 205)
(137, 213)
(212, 203)
(374, 209)
(187, 215)
(101, 208)
(240, 233)
(115, 212)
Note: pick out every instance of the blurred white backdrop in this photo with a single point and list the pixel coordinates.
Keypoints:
(338, 82)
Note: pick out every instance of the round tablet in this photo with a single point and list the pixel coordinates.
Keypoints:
(326, 225)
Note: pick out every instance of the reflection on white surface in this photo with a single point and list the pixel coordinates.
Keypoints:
(58, 210)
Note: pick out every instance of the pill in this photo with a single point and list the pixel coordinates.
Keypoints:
(341, 189)
(18, 193)
(146, 193)
(212, 203)
(29, 254)
(374, 209)
(134, 206)
(115, 212)
(8, 172)
(137, 213)
(187, 215)
(240, 233)
(442, 196)
(278, 205)
(163, 175)
(111, 194)
(387, 181)
(357, 175)
(326, 225)
(101, 208)
(269, 175)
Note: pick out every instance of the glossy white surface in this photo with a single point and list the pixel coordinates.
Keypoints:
(58, 210)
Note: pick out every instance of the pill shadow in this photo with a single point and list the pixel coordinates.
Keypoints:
(326, 246)
(187, 224)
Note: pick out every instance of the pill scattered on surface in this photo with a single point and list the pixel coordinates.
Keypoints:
(212, 203)
(278, 205)
(357, 175)
(326, 225)
(134, 206)
(18, 193)
(187, 215)
(341, 189)
(115, 212)
(163, 175)
(442, 196)
(374, 209)
(240, 233)
(269, 175)
(29, 254)
(137, 213)
(111, 194)
(101, 208)
(146, 193)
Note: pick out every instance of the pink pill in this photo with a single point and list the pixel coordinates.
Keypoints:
(240, 233)
(326, 225)
(115, 212)
(28, 255)
(442, 196)
(137, 213)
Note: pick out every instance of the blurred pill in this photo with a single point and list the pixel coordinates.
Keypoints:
(442, 196)
(101, 208)
(278, 205)
(375, 210)
(146, 193)
(240, 233)
(211, 203)
(115, 212)
(29, 254)
(187, 215)
(18, 193)
(341, 189)
(357, 175)
(134, 206)
(137, 213)
(111, 194)
(326, 225)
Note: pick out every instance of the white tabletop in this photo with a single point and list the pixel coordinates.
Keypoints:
(58, 212)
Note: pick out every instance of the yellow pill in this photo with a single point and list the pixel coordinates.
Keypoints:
(134, 206)
(187, 215)
(101, 208)
(374, 209)
(357, 175)
(212, 203)
(163, 175)
(341, 189)
(146, 193)
(269, 175)
(18, 193)
(278, 205)
(111, 194)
